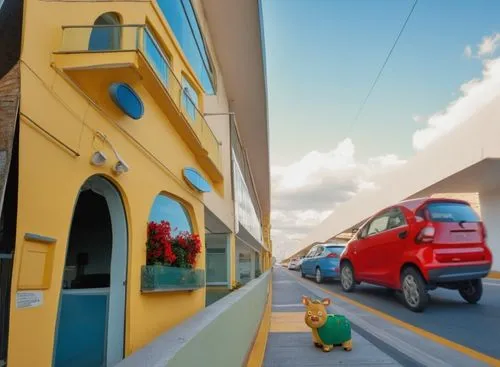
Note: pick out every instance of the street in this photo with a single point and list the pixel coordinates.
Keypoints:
(449, 332)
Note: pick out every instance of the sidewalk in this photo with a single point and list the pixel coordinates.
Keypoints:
(289, 341)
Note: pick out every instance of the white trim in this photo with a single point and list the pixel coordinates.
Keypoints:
(118, 273)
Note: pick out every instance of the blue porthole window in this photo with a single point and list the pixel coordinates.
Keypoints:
(168, 209)
(127, 100)
(196, 180)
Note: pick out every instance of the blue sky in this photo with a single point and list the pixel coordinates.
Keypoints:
(323, 55)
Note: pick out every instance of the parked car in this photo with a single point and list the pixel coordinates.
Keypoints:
(299, 264)
(293, 264)
(322, 262)
(417, 246)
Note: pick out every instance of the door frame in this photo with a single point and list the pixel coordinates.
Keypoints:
(116, 322)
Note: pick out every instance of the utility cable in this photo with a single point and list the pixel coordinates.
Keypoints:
(383, 66)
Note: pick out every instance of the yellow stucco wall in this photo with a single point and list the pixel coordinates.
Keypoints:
(55, 117)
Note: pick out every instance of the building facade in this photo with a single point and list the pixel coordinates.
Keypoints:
(115, 114)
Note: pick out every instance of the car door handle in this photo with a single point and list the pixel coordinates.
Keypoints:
(403, 235)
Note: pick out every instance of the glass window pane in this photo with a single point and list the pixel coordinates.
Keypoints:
(396, 219)
(155, 57)
(335, 249)
(247, 215)
(170, 210)
(216, 266)
(452, 212)
(189, 99)
(245, 267)
(378, 225)
(181, 18)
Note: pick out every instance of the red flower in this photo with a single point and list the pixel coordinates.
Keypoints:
(162, 248)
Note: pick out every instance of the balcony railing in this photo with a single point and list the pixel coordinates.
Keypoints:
(138, 38)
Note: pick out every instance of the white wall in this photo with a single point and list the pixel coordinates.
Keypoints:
(222, 207)
(490, 213)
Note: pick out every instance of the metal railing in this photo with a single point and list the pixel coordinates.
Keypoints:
(138, 38)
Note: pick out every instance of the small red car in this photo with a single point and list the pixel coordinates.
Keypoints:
(417, 246)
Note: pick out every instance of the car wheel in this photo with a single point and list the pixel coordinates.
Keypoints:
(347, 280)
(414, 290)
(319, 277)
(302, 272)
(473, 291)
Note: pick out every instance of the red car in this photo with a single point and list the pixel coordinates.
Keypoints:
(417, 246)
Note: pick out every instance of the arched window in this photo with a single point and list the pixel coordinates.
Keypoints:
(105, 35)
(170, 210)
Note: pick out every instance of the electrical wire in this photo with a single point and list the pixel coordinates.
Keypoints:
(362, 106)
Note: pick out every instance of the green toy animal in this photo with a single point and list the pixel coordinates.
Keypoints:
(327, 330)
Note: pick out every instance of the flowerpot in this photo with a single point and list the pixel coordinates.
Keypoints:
(162, 278)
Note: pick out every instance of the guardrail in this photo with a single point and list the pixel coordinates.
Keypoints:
(220, 335)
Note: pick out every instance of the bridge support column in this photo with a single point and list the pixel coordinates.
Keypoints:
(490, 213)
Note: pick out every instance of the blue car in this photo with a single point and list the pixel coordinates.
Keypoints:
(322, 262)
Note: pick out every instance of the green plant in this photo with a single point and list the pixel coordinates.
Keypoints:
(236, 285)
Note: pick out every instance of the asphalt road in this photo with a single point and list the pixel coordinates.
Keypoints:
(448, 315)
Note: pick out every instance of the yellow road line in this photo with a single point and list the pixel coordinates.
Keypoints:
(494, 275)
(424, 333)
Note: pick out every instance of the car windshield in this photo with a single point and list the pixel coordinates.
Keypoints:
(452, 212)
(335, 249)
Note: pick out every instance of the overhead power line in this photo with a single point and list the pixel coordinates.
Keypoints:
(362, 106)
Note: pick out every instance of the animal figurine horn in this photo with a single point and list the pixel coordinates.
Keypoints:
(327, 330)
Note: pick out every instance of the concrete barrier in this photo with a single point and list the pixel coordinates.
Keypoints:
(220, 335)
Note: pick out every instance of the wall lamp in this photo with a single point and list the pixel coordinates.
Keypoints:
(98, 158)
(120, 167)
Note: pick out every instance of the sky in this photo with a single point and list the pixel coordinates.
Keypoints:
(322, 58)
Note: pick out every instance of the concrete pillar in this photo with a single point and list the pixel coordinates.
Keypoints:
(252, 264)
(490, 213)
(233, 259)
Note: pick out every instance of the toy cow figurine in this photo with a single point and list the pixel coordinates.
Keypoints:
(327, 330)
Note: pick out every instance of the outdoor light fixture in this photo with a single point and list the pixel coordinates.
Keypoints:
(98, 158)
(120, 166)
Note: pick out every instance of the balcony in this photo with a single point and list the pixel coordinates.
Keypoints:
(93, 57)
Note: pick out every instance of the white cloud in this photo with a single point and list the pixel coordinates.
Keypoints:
(486, 48)
(468, 51)
(488, 45)
(307, 191)
(475, 94)
(417, 118)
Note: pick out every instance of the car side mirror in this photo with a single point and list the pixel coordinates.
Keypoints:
(419, 219)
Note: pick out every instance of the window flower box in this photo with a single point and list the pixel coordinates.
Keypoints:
(171, 261)
(162, 278)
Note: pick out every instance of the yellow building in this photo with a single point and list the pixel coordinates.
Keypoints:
(114, 114)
